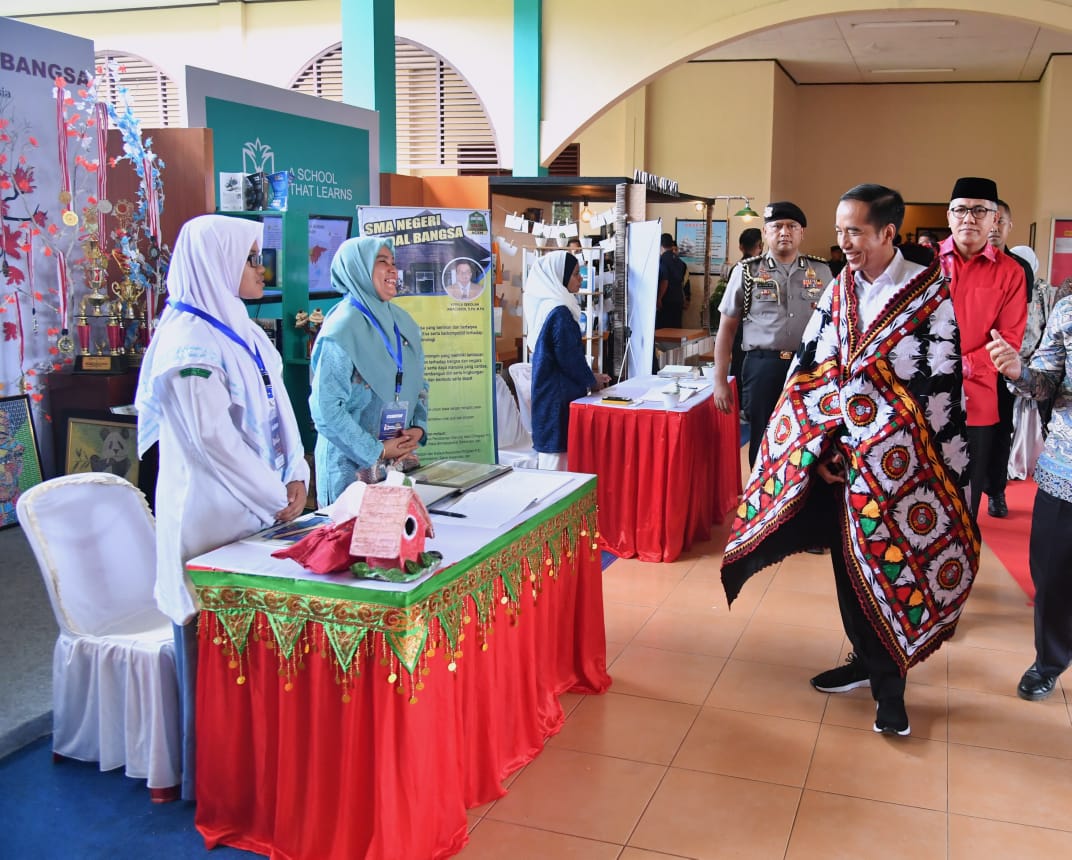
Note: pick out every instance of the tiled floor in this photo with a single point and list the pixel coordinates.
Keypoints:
(711, 743)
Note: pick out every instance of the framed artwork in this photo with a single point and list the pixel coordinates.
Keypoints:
(561, 213)
(20, 457)
(689, 235)
(1060, 260)
(104, 443)
(534, 213)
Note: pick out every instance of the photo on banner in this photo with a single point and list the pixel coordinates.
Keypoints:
(446, 282)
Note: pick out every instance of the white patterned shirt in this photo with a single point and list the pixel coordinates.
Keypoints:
(1050, 373)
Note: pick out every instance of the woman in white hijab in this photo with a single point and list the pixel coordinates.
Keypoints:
(211, 392)
(560, 371)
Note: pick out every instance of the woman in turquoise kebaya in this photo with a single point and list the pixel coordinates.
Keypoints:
(368, 366)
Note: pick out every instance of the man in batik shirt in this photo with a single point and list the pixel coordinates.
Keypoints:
(865, 453)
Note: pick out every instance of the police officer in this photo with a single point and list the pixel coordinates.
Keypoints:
(772, 296)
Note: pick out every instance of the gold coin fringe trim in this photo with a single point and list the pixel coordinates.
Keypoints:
(403, 641)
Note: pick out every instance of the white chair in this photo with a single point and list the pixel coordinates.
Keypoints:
(515, 443)
(115, 692)
(521, 373)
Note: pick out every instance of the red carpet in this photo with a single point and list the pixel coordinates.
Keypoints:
(1007, 538)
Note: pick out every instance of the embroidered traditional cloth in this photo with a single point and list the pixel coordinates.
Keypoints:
(890, 400)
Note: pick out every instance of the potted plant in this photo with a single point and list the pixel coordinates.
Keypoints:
(713, 315)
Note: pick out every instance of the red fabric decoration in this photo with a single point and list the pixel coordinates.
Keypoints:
(325, 550)
(664, 477)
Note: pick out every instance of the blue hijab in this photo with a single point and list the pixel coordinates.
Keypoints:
(359, 337)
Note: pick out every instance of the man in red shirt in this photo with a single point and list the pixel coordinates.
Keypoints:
(988, 292)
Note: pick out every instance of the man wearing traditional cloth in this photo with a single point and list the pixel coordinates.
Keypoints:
(866, 453)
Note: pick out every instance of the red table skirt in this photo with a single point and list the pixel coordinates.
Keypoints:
(303, 774)
(665, 477)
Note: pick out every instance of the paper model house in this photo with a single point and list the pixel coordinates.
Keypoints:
(391, 527)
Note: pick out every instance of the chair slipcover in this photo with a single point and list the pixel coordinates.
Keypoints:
(515, 443)
(115, 694)
(521, 373)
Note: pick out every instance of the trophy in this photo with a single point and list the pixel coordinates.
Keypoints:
(131, 320)
(103, 356)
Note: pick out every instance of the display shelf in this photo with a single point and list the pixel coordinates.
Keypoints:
(592, 299)
(292, 295)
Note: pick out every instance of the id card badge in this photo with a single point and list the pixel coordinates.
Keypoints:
(393, 419)
(276, 430)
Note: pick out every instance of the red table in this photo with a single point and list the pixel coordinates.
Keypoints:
(336, 721)
(665, 476)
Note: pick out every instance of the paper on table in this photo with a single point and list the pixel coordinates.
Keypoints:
(676, 370)
(502, 500)
(685, 391)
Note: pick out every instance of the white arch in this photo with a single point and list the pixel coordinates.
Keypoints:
(613, 71)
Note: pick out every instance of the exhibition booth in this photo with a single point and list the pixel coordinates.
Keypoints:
(404, 681)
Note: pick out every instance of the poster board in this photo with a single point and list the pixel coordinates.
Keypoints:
(446, 283)
(35, 234)
(641, 286)
(1060, 251)
(689, 235)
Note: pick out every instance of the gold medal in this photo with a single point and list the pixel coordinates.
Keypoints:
(65, 197)
(70, 218)
(65, 344)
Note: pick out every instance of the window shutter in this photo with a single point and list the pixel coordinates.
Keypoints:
(568, 162)
(153, 96)
(323, 76)
(440, 122)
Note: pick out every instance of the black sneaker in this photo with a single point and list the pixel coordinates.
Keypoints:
(843, 678)
(891, 718)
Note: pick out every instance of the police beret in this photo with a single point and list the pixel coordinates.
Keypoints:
(975, 188)
(784, 209)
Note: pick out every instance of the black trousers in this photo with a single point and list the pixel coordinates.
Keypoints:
(886, 679)
(1051, 571)
(997, 475)
(670, 314)
(762, 381)
(980, 447)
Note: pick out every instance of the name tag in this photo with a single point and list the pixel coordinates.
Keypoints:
(393, 420)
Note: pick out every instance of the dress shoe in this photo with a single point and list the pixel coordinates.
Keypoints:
(996, 507)
(1035, 686)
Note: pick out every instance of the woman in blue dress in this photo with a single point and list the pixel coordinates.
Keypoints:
(560, 370)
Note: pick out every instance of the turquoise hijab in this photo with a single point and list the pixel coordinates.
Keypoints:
(359, 337)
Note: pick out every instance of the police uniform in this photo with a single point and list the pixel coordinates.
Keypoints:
(773, 302)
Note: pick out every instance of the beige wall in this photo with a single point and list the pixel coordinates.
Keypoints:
(1054, 194)
(917, 139)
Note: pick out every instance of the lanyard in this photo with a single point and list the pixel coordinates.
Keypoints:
(396, 353)
(230, 332)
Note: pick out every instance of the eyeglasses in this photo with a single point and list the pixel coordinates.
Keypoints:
(255, 260)
(977, 212)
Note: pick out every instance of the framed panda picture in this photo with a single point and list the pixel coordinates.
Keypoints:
(102, 445)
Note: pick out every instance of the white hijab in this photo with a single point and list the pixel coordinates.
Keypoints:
(544, 291)
(205, 273)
